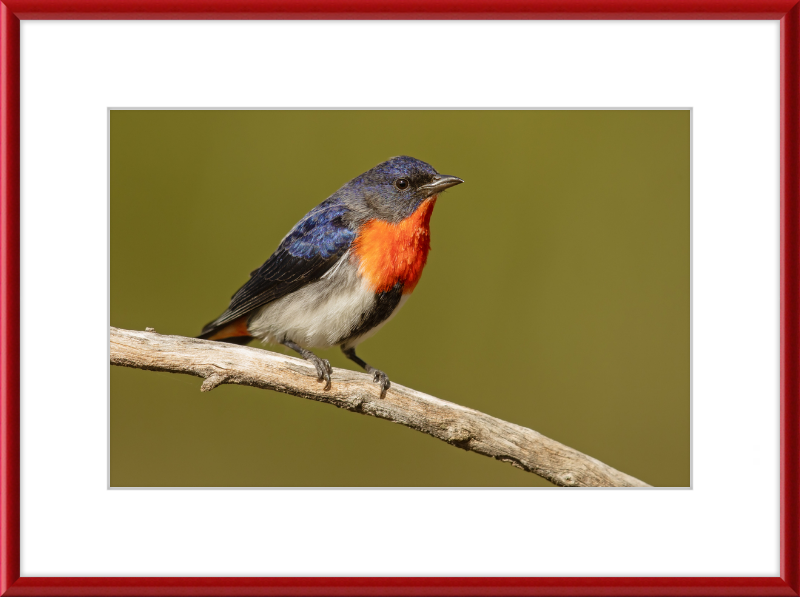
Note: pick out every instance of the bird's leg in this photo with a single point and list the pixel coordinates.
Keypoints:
(324, 368)
(379, 376)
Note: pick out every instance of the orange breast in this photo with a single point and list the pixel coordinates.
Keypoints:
(390, 253)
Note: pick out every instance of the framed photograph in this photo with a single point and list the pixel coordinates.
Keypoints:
(609, 299)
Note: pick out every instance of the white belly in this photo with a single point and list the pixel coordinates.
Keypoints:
(321, 314)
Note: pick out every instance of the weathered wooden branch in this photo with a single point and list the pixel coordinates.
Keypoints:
(218, 363)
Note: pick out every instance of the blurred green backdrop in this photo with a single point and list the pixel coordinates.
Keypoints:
(556, 294)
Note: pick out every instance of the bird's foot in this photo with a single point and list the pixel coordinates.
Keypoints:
(378, 376)
(324, 369)
(381, 378)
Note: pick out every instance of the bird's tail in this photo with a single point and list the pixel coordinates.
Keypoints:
(234, 332)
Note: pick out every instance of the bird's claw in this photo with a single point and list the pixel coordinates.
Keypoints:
(324, 371)
(381, 378)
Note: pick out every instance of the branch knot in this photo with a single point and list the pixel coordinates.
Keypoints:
(212, 381)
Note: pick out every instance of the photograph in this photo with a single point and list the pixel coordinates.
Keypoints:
(264, 332)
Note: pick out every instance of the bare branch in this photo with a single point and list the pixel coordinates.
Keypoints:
(219, 363)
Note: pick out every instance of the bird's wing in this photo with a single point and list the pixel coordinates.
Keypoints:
(310, 249)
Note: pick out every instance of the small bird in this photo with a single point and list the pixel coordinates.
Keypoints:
(344, 270)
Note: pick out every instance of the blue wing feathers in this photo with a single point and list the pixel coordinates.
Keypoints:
(322, 232)
(310, 249)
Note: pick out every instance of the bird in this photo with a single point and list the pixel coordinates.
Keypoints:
(344, 270)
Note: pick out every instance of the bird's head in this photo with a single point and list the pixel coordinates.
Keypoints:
(394, 189)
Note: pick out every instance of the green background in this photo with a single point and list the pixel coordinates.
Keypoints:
(556, 294)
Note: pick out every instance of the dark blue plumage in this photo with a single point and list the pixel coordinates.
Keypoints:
(321, 232)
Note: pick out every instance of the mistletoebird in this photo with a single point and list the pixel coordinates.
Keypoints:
(344, 270)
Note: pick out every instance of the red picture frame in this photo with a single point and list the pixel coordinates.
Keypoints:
(11, 11)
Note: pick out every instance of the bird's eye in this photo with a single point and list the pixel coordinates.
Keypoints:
(401, 183)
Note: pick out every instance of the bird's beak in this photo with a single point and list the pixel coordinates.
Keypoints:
(440, 183)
